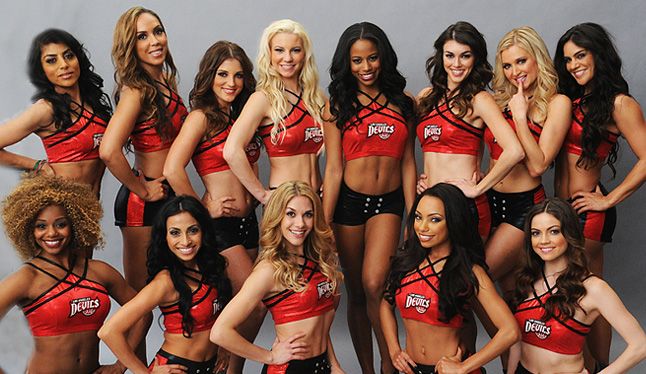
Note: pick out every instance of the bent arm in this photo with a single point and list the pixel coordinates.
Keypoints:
(333, 167)
(181, 151)
(36, 117)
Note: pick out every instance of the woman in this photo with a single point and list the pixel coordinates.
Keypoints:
(589, 70)
(69, 114)
(52, 223)
(296, 277)
(369, 173)
(148, 116)
(455, 111)
(525, 85)
(187, 283)
(222, 86)
(557, 298)
(285, 111)
(433, 280)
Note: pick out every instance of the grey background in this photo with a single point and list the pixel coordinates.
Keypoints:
(412, 26)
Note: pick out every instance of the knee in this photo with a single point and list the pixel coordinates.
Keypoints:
(373, 288)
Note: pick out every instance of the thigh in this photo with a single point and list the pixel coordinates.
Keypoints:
(503, 249)
(135, 249)
(381, 240)
(239, 265)
(350, 246)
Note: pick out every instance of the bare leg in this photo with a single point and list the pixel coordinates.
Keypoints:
(600, 336)
(239, 266)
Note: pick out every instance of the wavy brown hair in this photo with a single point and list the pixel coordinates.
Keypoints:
(21, 207)
(569, 285)
(202, 96)
(318, 246)
(128, 71)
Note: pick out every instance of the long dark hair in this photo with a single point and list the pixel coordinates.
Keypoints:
(344, 104)
(458, 283)
(210, 263)
(202, 96)
(478, 80)
(569, 285)
(599, 101)
(90, 83)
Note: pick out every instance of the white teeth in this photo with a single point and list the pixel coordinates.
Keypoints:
(185, 250)
(156, 53)
(424, 237)
(366, 77)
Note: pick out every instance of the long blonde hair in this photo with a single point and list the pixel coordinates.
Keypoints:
(546, 81)
(270, 82)
(128, 71)
(318, 246)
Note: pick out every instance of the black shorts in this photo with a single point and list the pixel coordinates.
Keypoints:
(354, 208)
(131, 210)
(430, 369)
(314, 365)
(232, 231)
(597, 225)
(521, 369)
(194, 367)
(511, 207)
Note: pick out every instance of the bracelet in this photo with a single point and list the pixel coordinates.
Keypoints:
(38, 165)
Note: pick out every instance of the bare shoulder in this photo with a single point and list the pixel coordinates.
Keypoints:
(483, 98)
(596, 286)
(625, 103)
(424, 92)
(560, 100)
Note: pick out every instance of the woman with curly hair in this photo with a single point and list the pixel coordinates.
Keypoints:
(524, 85)
(223, 84)
(148, 116)
(65, 296)
(296, 277)
(285, 111)
(589, 70)
(187, 281)
(69, 114)
(369, 173)
(557, 298)
(435, 278)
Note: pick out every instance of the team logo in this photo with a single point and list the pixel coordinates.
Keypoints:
(324, 289)
(96, 139)
(419, 302)
(539, 328)
(85, 305)
(382, 130)
(314, 133)
(433, 131)
(252, 149)
(217, 306)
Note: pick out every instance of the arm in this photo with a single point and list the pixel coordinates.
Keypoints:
(514, 357)
(501, 317)
(37, 117)
(331, 356)
(401, 360)
(409, 173)
(115, 329)
(606, 301)
(630, 121)
(116, 135)
(241, 133)
(333, 165)
(181, 151)
(224, 332)
(539, 156)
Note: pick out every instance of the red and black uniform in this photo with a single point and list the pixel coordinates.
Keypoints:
(131, 210)
(79, 142)
(73, 304)
(205, 308)
(511, 207)
(288, 306)
(376, 130)
(441, 131)
(208, 158)
(596, 225)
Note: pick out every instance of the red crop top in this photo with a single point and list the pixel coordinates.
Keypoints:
(73, 304)
(208, 156)
(376, 130)
(441, 131)
(205, 308)
(301, 134)
(316, 299)
(144, 136)
(418, 297)
(494, 149)
(560, 335)
(575, 133)
(78, 142)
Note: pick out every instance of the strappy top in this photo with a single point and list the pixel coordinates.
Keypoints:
(573, 139)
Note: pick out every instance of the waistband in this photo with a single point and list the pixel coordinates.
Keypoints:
(358, 195)
(186, 362)
(532, 191)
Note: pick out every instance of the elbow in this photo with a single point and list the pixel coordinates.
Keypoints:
(217, 336)
(169, 171)
(536, 171)
(513, 334)
(104, 332)
(106, 154)
(228, 152)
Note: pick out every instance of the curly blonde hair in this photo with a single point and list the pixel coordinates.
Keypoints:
(271, 83)
(546, 81)
(318, 246)
(128, 71)
(22, 206)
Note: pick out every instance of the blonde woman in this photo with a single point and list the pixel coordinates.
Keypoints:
(148, 116)
(296, 277)
(285, 111)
